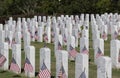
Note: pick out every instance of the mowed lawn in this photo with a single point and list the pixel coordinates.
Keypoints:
(71, 64)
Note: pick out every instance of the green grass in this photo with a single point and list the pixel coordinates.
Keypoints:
(71, 65)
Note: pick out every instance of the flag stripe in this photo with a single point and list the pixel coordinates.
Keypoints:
(2, 60)
(44, 72)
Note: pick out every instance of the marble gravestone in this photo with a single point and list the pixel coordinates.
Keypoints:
(2, 36)
(18, 38)
(5, 53)
(48, 33)
(1, 27)
(62, 64)
(40, 34)
(64, 35)
(115, 53)
(75, 34)
(16, 58)
(27, 40)
(33, 32)
(81, 66)
(6, 30)
(104, 67)
(114, 32)
(10, 36)
(58, 43)
(99, 49)
(104, 32)
(30, 55)
(96, 35)
(71, 48)
(84, 45)
(45, 59)
(70, 41)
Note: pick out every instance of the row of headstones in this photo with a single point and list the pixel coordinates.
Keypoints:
(27, 37)
(25, 26)
(102, 28)
(99, 27)
(81, 64)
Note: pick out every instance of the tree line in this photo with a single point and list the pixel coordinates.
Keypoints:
(50, 7)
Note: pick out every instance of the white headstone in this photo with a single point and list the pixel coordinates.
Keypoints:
(115, 53)
(84, 45)
(30, 55)
(10, 36)
(18, 37)
(2, 36)
(40, 34)
(71, 48)
(62, 64)
(70, 41)
(48, 33)
(1, 26)
(75, 34)
(114, 32)
(99, 49)
(16, 58)
(104, 32)
(45, 60)
(81, 66)
(104, 67)
(26, 39)
(58, 43)
(5, 53)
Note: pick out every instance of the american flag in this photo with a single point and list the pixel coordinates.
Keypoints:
(14, 66)
(83, 74)
(44, 72)
(2, 60)
(45, 37)
(61, 73)
(115, 35)
(99, 53)
(72, 52)
(59, 46)
(84, 50)
(104, 35)
(36, 36)
(64, 38)
(28, 67)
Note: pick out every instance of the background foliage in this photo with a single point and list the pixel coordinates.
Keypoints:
(50, 7)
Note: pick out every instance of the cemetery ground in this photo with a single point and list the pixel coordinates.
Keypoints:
(71, 64)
